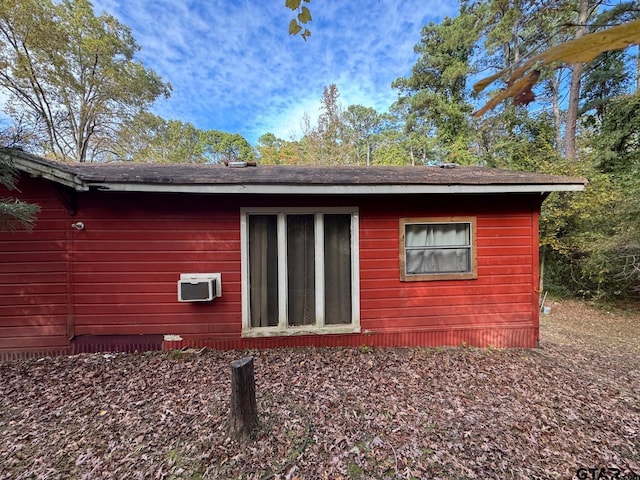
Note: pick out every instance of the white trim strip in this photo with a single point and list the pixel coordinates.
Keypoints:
(337, 189)
(318, 230)
(283, 279)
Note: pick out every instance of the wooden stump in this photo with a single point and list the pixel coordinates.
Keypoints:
(243, 419)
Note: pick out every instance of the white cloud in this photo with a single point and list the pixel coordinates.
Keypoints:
(233, 66)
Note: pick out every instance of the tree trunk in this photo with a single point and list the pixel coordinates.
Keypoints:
(243, 419)
(574, 87)
(368, 154)
(638, 72)
(557, 116)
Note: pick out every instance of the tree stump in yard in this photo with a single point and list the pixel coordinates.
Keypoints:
(243, 419)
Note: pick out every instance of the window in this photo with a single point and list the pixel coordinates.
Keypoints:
(300, 271)
(438, 248)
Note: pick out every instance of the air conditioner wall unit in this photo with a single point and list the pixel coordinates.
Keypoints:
(199, 287)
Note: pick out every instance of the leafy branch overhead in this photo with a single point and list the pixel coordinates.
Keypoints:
(298, 24)
(579, 50)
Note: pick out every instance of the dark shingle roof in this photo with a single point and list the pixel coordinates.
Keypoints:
(288, 179)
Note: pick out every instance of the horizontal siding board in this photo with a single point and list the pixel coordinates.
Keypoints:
(516, 260)
(502, 241)
(9, 291)
(135, 288)
(461, 287)
(97, 268)
(197, 309)
(170, 321)
(504, 250)
(503, 221)
(380, 244)
(224, 260)
(43, 309)
(381, 253)
(13, 260)
(177, 231)
(504, 231)
(416, 324)
(161, 327)
(387, 235)
(41, 267)
(33, 299)
(159, 277)
(33, 341)
(444, 300)
(493, 271)
(26, 331)
(39, 245)
(33, 321)
(443, 292)
(155, 247)
(443, 311)
(497, 270)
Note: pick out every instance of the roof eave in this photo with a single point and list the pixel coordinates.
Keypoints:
(53, 173)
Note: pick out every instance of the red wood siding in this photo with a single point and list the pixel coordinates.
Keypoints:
(118, 276)
(498, 305)
(131, 254)
(35, 302)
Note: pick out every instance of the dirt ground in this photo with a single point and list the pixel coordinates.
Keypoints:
(570, 409)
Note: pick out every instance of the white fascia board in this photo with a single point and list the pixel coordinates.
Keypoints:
(335, 189)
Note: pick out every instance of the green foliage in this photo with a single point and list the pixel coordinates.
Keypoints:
(605, 79)
(362, 126)
(275, 151)
(392, 153)
(71, 77)
(591, 240)
(618, 142)
(149, 138)
(325, 143)
(435, 95)
(14, 214)
(515, 140)
(609, 245)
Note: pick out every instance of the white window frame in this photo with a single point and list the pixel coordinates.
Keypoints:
(422, 277)
(283, 329)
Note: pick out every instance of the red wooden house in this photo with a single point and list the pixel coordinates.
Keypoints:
(150, 256)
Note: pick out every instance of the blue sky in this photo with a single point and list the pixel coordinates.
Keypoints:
(234, 67)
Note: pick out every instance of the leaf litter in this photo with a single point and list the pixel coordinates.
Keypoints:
(337, 413)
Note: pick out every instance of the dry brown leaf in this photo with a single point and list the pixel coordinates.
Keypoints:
(337, 413)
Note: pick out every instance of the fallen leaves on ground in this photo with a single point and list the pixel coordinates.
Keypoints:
(443, 413)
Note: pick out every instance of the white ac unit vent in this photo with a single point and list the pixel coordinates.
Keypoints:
(199, 287)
